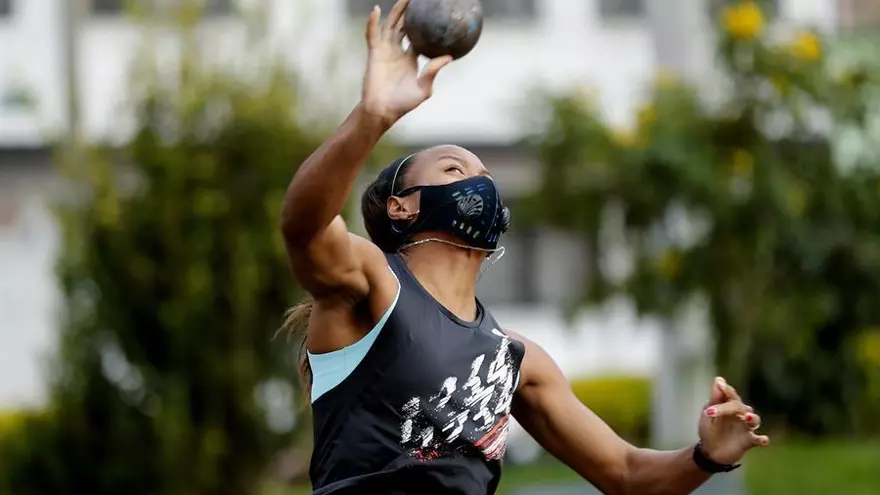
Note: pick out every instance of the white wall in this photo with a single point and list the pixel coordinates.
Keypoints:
(28, 298)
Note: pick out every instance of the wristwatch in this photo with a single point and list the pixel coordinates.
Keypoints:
(708, 465)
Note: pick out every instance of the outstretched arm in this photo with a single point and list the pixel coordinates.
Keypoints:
(325, 258)
(548, 409)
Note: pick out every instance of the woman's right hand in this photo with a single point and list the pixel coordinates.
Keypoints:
(392, 84)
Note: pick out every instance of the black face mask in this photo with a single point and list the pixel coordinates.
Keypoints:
(471, 209)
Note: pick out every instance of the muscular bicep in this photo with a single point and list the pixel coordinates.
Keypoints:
(548, 409)
(333, 262)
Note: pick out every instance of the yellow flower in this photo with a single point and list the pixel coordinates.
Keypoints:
(744, 20)
(806, 46)
(743, 163)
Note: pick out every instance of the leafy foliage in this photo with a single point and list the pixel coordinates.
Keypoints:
(744, 204)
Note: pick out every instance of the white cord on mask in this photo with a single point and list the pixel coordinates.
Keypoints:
(499, 250)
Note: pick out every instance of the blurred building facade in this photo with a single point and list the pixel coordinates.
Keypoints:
(481, 102)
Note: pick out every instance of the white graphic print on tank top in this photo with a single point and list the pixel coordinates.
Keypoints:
(472, 410)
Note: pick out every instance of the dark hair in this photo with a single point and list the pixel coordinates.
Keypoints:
(374, 208)
(374, 204)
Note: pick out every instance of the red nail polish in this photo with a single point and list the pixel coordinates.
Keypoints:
(711, 411)
(750, 418)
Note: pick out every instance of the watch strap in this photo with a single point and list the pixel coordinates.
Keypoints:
(708, 465)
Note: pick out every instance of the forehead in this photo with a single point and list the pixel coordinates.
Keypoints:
(452, 153)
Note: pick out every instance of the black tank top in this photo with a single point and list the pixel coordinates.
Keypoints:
(427, 409)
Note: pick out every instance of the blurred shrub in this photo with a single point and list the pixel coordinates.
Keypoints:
(869, 358)
(622, 402)
(747, 203)
(174, 279)
(11, 421)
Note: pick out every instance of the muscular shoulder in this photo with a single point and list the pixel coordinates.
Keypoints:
(370, 257)
(373, 263)
(382, 281)
(341, 318)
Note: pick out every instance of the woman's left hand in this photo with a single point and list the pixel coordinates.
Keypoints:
(727, 426)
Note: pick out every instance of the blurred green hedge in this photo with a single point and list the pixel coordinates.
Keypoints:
(623, 402)
(11, 421)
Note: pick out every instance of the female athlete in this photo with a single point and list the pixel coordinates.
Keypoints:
(412, 381)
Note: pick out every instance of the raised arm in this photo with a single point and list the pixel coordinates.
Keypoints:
(549, 411)
(325, 258)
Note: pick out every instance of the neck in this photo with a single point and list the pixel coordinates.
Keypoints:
(449, 274)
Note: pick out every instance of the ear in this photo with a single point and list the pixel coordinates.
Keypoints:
(402, 209)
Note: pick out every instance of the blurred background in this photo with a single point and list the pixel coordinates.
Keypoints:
(695, 187)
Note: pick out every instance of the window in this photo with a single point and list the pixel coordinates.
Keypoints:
(621, 8)
(5, 8)
(510, 9)
(117, 7)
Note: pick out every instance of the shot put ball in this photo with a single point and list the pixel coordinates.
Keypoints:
(443, 27)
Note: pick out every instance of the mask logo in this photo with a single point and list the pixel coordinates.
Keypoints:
(470, 206)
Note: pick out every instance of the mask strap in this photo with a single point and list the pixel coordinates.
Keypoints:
(394, 227)
(397, 172)
(491, 261)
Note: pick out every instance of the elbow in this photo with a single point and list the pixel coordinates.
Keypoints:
(617, 477)
(625, 474)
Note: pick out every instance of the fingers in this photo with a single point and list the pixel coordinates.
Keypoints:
(729, 392)
(728, 409)
(751, 419)
(394, 23)
(429, 73)
(759, 440)
(399, 35)
(397, 31)
(373, 26)
(717, 396)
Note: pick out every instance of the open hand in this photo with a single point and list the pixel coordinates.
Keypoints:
(727, 426)
(392, 83)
